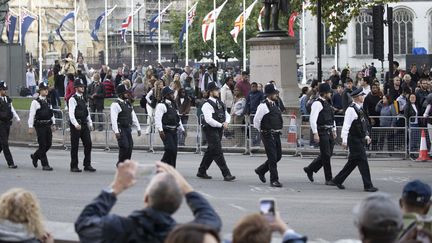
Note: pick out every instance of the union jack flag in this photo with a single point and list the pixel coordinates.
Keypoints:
(125, 26)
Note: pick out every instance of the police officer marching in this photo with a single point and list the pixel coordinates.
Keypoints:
(7, 113)
(41, 119)
(216, 119)
(356, 134)
(167, 121)
(122, 118)
(268, 120)
(323, 127)
(80, 126)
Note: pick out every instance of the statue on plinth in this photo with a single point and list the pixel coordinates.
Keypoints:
(51, 39)
(271, 16)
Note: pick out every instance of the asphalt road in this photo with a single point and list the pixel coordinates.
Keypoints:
(316, 210)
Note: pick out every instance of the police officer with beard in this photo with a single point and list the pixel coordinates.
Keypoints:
(323, 127)
(80, 126)
(167, 121)
(122, 118)
(268, 120)
(41, 119)
(7, 113)
(216, 119)
(356, 134)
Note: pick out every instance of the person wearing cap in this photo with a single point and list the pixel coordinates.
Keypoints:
(167, 122)
(323, 127)
(7, 113)
(122, 118)
(268, 120)
(378, 219)
(80, 126)
(356, 134)
(415, 204)
(216, 119)
(41, 119)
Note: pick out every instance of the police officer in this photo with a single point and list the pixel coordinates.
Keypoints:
(122, 118)
(323, 127)
(7, 113)
(216, 119)
(167, 121)
(268, 120)
(41, 119)
(80, 126)
(356, 134)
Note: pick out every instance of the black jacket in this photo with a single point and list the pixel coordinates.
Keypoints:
(409, 112)
(98, 100)
(96, 225)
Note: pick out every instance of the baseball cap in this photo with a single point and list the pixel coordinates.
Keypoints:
(417, 192)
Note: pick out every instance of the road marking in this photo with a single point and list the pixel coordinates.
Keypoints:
(238, 207)
(395, 179)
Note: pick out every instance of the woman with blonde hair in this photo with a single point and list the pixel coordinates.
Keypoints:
(21, 218)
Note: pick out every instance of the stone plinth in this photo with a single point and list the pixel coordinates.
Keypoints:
(50, 58)
(274, 58)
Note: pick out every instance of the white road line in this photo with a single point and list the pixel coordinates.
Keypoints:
(207, 195)
(238, 207)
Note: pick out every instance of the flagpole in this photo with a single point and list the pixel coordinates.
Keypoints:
(106, 32)
(40, 41)
(187, 34)
(132, 37)
(304, 81)
(159, 33)
(336, 57)
(20, 22)
(75, 29)
(214, 33)
(244, 35)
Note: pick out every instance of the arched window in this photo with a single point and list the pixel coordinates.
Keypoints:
(363, 45)
(327, 49)
(403, 39)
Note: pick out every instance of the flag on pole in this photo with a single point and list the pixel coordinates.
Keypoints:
(99, 22)
(26, 21)
(68, 16)
(124, 27)
(261, 14)
(191, 17)
(11, 21)
(154, 22)
(291, 24)
(209, 21)
(240, 21)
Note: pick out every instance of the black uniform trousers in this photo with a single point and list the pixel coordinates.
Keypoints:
(170, 147)
(357, 157)
(214, 151)
(326, 144)
(44, 138)
(4, 141)
(84, 135)
(125, 143)
(272, 145)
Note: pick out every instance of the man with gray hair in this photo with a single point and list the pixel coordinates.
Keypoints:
(162, 198)
(378, 219)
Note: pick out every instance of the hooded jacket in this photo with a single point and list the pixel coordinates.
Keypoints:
(14, 232)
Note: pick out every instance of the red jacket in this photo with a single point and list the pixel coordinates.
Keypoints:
(70, 91)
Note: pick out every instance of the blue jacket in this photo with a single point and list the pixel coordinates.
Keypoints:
(252, 101)
(96, 225)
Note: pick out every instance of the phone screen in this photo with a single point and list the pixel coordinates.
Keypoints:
(267, 208)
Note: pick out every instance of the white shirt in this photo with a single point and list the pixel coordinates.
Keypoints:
(30, 79)
(15, 115)
(35, 105)
(350, 116)
(208, 111)
(183, 77)
(227, 96)
(149, 94)
(160, 111)
(202, 81)
(262, 110)
(115, 109)
(316, 108)
(366, 90)
(72, 105)
(238, 107)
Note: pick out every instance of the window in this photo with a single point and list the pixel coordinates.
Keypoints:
(403, 31)
(327, 50)
(363, 45)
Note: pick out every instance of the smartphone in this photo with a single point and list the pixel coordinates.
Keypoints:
(268, 209)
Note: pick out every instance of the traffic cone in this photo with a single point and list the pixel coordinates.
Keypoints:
(423, 153)
(292, 130)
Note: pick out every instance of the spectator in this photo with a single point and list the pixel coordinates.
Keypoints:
(167, 77)
(422, 93)
(402, 100)
(21, 218)
(176, 85)
(302, 102)
(183, 103)
(187, 73)
(58, 79)
(255, 228)
(365, 84)
(395, 90)
(370, 102)
(153, 97)
(70, 89)
(378, 219)
(407, 82)
(346, 95)
(208, 77)
(68, 67)
(138, 73)
(83, 66)
(193, 233)
(387, 82)
(119, 76)
(413, 73)
(345, 75)
(31, 80)
(96, 94)
(189, 87)
(372, 71)
(162, 198)
(260, 88)
(337, 105)
(244, 84)
(226, 93)
(199, 103)
(237, 117)
(109, 87)
(387, 119)
(335, 79)
(359, 79)
(411, 112)
(138, 89)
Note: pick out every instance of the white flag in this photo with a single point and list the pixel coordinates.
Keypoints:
(240, 21)
(209, 22)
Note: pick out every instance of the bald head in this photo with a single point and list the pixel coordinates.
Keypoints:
(164, 194)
